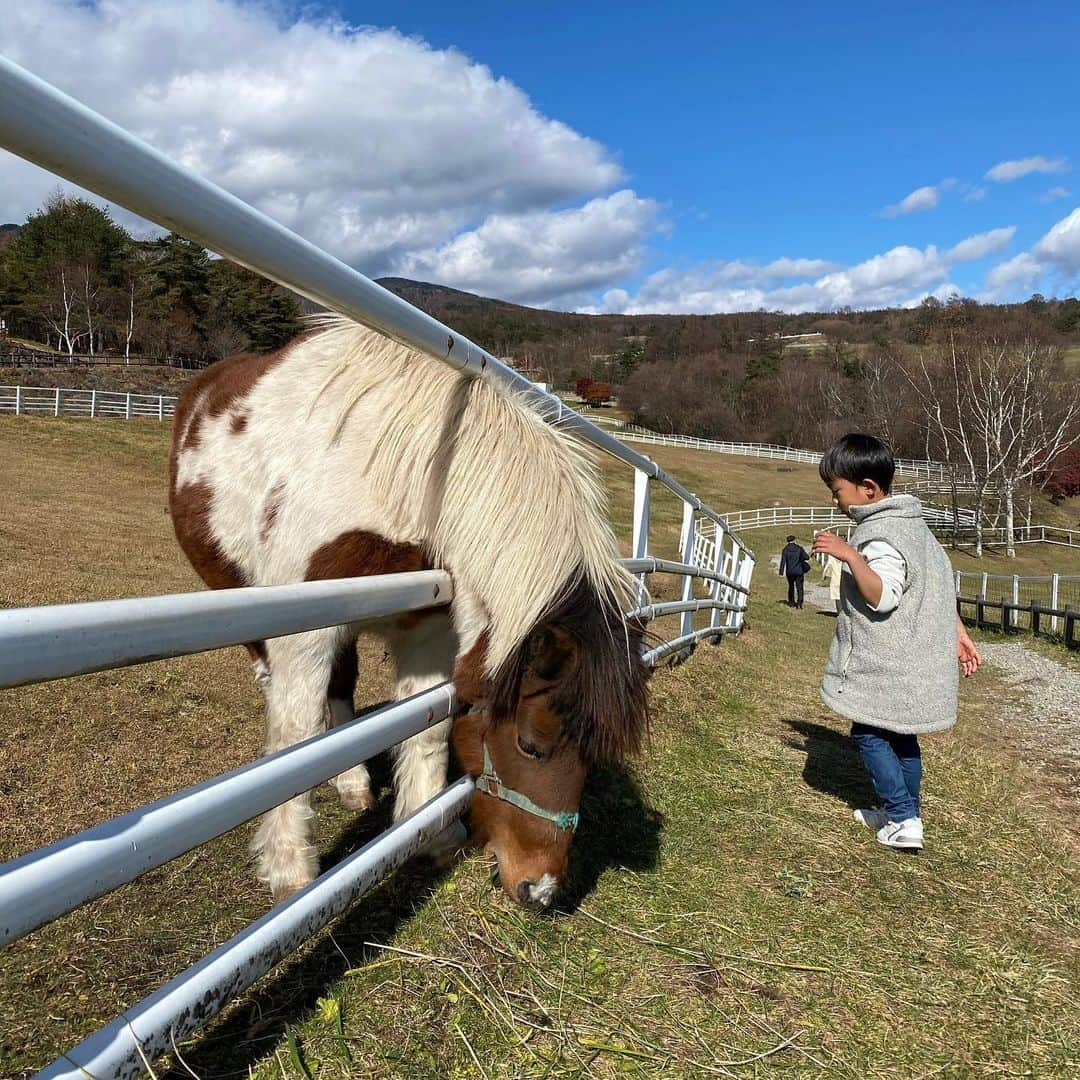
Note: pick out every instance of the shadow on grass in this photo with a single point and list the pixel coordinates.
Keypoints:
(618, 829)
(288, 993)
(833, 765)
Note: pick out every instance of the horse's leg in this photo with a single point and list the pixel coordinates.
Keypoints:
(353, 785)
(260, 663)
(424, 651)
(286, 859)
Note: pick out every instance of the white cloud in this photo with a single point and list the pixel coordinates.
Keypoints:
(974, 194)
(901, 276)
(1055, 193)
(1021, 271)
(371, 144)
(1060, 247)
(980, 245)
(542, 258)
(788, 268)
(924, 198)
(1005, 172)
(1055, 258)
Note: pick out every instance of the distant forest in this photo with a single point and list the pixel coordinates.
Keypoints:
(72, 278)
(747, 377)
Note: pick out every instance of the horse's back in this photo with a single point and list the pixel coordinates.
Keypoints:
(197, 467)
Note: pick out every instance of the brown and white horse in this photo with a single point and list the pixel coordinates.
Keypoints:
(348, 454)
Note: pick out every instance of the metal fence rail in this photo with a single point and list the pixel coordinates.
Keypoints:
(66, 401)
(184, 1005)
(53, 880)
(42, 643)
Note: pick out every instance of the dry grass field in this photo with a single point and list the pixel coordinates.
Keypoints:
(726, 917)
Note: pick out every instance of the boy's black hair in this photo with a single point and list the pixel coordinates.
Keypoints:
(856, 457)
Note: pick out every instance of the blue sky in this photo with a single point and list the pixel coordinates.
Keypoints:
(617, 157)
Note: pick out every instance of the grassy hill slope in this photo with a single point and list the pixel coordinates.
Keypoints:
(727, 916)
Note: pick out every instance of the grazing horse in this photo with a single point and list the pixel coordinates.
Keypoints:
(348, 454)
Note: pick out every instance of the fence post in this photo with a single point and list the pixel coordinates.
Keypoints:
(127, 406)
(1006, 615)
(732, 568)
(746, 572)
(160, 407)
(93, 403)
(18, 399)
(686, 623)
(1035, 611)
(56, 409)
(1016, 597)
(982, 585)
(978, 612)
(716, 588)
(1053, 602)
(959, 585)
(1070, 626)
(640, 539)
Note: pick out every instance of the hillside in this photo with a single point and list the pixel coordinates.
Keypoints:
(728, 917)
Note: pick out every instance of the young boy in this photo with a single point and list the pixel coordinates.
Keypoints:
(892, 664)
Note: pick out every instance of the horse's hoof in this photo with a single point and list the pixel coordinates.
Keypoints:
(284, 890)
(443, 848)
(354, 796)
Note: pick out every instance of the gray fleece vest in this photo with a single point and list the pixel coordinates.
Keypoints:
(897, 670)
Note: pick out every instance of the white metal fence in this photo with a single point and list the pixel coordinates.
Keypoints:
(66, 401)
(826, 517)
(931, 470)
(41, 124)
(938, 518)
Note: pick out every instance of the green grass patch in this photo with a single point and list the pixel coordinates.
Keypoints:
(726, 915)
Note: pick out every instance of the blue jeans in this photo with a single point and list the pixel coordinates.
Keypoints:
(895, 767)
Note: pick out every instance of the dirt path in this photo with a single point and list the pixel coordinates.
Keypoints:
(1043, 718)
(815, 594)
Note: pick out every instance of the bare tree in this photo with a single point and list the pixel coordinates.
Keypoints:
(1036, 419)
(59, 307)
(1001, 413)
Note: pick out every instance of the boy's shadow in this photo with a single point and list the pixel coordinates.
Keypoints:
(832, 763)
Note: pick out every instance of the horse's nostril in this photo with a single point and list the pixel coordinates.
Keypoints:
(525, 893)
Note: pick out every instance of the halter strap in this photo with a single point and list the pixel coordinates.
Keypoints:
(489, 783)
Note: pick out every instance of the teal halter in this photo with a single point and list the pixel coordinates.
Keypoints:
(489, 783)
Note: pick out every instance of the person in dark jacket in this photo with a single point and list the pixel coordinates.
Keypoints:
(794, 564)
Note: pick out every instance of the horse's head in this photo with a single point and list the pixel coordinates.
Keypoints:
(573, 693)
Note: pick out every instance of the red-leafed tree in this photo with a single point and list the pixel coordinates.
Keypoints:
(597, 393)
(1062, 480)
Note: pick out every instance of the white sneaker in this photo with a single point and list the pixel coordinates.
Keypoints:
(873, 819)
(902, 834)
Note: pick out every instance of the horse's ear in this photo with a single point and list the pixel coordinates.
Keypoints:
(552, 651)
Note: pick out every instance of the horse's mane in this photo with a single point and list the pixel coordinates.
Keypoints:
(508, 502)
(602, 702)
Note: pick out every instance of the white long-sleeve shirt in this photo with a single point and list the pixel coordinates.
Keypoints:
(889, 565)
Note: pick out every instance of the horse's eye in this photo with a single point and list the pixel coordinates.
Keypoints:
(529, 749)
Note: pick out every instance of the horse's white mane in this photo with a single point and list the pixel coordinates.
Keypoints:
(508, 502)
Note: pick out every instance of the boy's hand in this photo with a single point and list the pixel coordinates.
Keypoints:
(827, 543)
(966, 652)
